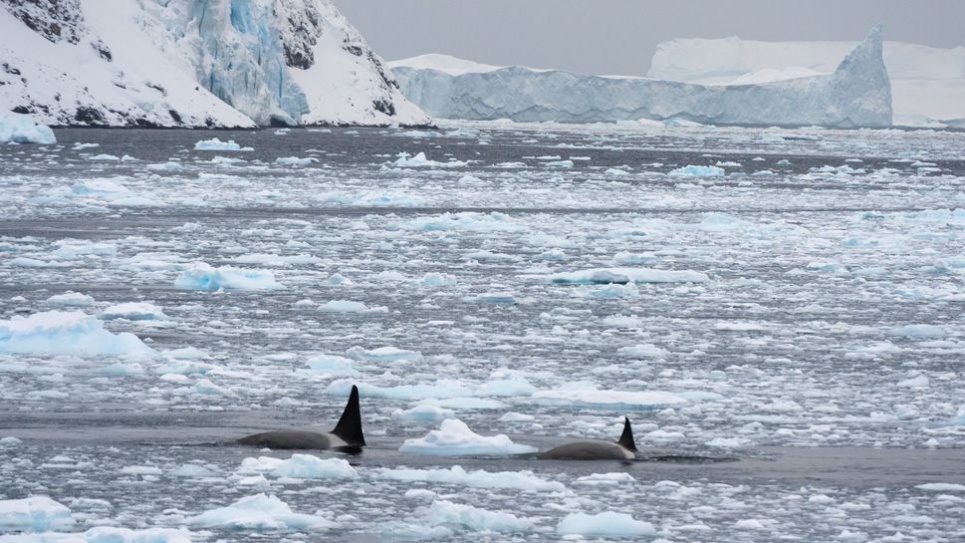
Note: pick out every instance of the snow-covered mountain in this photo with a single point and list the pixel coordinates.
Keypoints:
(856, 94)
(927, 83)
(192, 63)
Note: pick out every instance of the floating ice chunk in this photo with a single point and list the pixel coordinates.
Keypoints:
(423, 413)
(437, 280)
(697, 171)
(105, 534)
(516, 386)
(612, 291)
(456, 475)
(187, 353)
(420, 161)
(18, 128)
(919, 330)
(277, 260)
(558, 164)
(170, 166)
(214, 144)
(750, 524)
(104, 158)
(67, 332)
(463, 403)
(205, 387)
(332, 365)
(643, 351)
(192, 471)
(728, 442)
(942, 487)
(454, 438)
(622, 276)
(584, 397)
(915, 382)
(342, 306)
(99, 187)
(516, 417)
(467, 517)
(34, 514)
(202, 276)
(307, 466)
(383, 354)
(415, 392)
(133, 311)
(608, 524)
(71, 299)
(496, 298)
(295, 161)
(616, 172)
(259, 512)
(9, 441)
(468, 221)
(605, 479)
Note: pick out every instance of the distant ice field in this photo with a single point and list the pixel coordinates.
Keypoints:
(738, 293)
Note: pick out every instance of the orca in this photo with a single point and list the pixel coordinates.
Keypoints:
(623, 449)
(347, 435)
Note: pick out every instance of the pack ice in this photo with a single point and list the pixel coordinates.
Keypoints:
(193, 63)
(856, 94)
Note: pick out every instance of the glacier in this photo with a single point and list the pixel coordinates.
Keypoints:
(193, 63)
(856, 94)
(927, 83)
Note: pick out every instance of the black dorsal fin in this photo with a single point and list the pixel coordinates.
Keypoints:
(349, 427)
(626, 439)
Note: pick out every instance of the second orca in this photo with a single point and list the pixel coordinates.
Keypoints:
(623, 449)
(347, 435)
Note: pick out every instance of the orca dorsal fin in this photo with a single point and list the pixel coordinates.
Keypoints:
(349, 427)
(626, 439)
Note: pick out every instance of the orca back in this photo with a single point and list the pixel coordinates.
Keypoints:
(626, 439)
(349, 427)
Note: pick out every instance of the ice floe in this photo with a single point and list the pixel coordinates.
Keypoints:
(67, 333)
(475, 519)
(215, 144)
(133, 311)
(608, 524)
(34, 514)
(261, 512)
(454, 438)
(18, 128)
(202, 276)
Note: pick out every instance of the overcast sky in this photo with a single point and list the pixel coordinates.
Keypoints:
(619, 36)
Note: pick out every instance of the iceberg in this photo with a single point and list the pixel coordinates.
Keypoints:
(927, 83)
(133, 311)
(260, 512)
(215, 144)
(608, 524)
(34, 514)
(17, 128)
(856, 94)
(67, 333)
(194, 63)
(454, 438)
(202, 276)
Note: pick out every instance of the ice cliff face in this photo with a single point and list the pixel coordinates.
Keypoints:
(192, 63)
(856, 94)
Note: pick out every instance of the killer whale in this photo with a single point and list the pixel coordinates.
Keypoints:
(622, 449)
(347, 435)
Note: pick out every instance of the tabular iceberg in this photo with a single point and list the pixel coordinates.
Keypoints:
(927, 83)
(192, 63)
(856, 94)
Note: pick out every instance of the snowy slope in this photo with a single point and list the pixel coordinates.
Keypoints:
(192, 63)
(927, 83)
(856, 94)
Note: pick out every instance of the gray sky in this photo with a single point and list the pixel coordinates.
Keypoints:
(619, 36)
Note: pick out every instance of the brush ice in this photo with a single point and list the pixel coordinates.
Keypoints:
(261, 512)
(202, 276)
(105, 534)
(454, 438)
(67, 333)
(856, 94)
(34, 514)
(133, 311)
(608, 524)
(17, 128)
(603, 276)
(457, 475)
(475, 519)
(584, 397)
(215, 144)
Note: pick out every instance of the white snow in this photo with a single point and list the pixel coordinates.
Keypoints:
(67, 332)
(467, 517)
(202, 276)
(454, 438)
(608, 524)
(34, 514)
(17, 128)
(261, 512)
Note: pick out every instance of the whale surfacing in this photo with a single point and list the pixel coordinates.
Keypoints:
(623, 449)
(346, 436)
